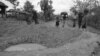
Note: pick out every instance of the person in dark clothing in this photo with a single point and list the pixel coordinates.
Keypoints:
(35, 17)
(84, 26)
(57, 22)
(80, 17)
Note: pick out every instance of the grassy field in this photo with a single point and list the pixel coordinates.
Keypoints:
(16, 32)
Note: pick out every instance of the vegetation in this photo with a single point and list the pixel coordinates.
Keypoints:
(46, 10)
(94, 20)
(84, 4)
(28, 7)
(46, 7)
(93, 7)
(14, 32)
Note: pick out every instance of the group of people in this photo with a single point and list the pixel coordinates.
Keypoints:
(80, 17)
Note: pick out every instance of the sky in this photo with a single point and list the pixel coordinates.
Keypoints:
(58, 5)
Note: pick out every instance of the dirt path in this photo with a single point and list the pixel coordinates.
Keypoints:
(82, 47)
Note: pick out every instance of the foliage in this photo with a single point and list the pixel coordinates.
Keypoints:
(28, 7)
(94, 20)
(14, 2)
(93, 6)
(86, 4)
(46, 7)
(15, 32)
(73, 9)
(29, 11)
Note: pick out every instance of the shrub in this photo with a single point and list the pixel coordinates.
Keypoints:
(94, 20)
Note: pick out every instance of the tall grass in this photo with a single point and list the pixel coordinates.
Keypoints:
(50, 37)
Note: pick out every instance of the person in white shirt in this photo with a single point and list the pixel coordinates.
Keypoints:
(74, 15)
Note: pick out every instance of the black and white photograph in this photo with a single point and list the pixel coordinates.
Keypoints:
(49, 27)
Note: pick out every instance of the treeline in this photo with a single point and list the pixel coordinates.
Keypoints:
(47, 10)
(46, 13)
(93, 18)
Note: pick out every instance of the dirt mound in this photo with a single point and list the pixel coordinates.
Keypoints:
(26, 47)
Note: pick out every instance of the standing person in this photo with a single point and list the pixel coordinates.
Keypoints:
(74, 15)
(84, 26)
(57, 22)
(64, 16)
(80, 17)
(35, 17)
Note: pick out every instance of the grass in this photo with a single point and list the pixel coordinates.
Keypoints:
(51, 37)
(14, 33)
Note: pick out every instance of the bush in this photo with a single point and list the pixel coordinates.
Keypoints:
(94, 20)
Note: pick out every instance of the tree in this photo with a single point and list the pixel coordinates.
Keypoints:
(28, 7)
(31, 14)
(91, 5)
(94, 19)
(74, 10)
(46, 7)
(86, 4)
(14, 2)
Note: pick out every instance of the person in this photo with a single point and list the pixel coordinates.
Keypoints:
(74, 15)
(84, 26)
(64, 16)
(80, 17)
(57, 22)
(35, 17)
